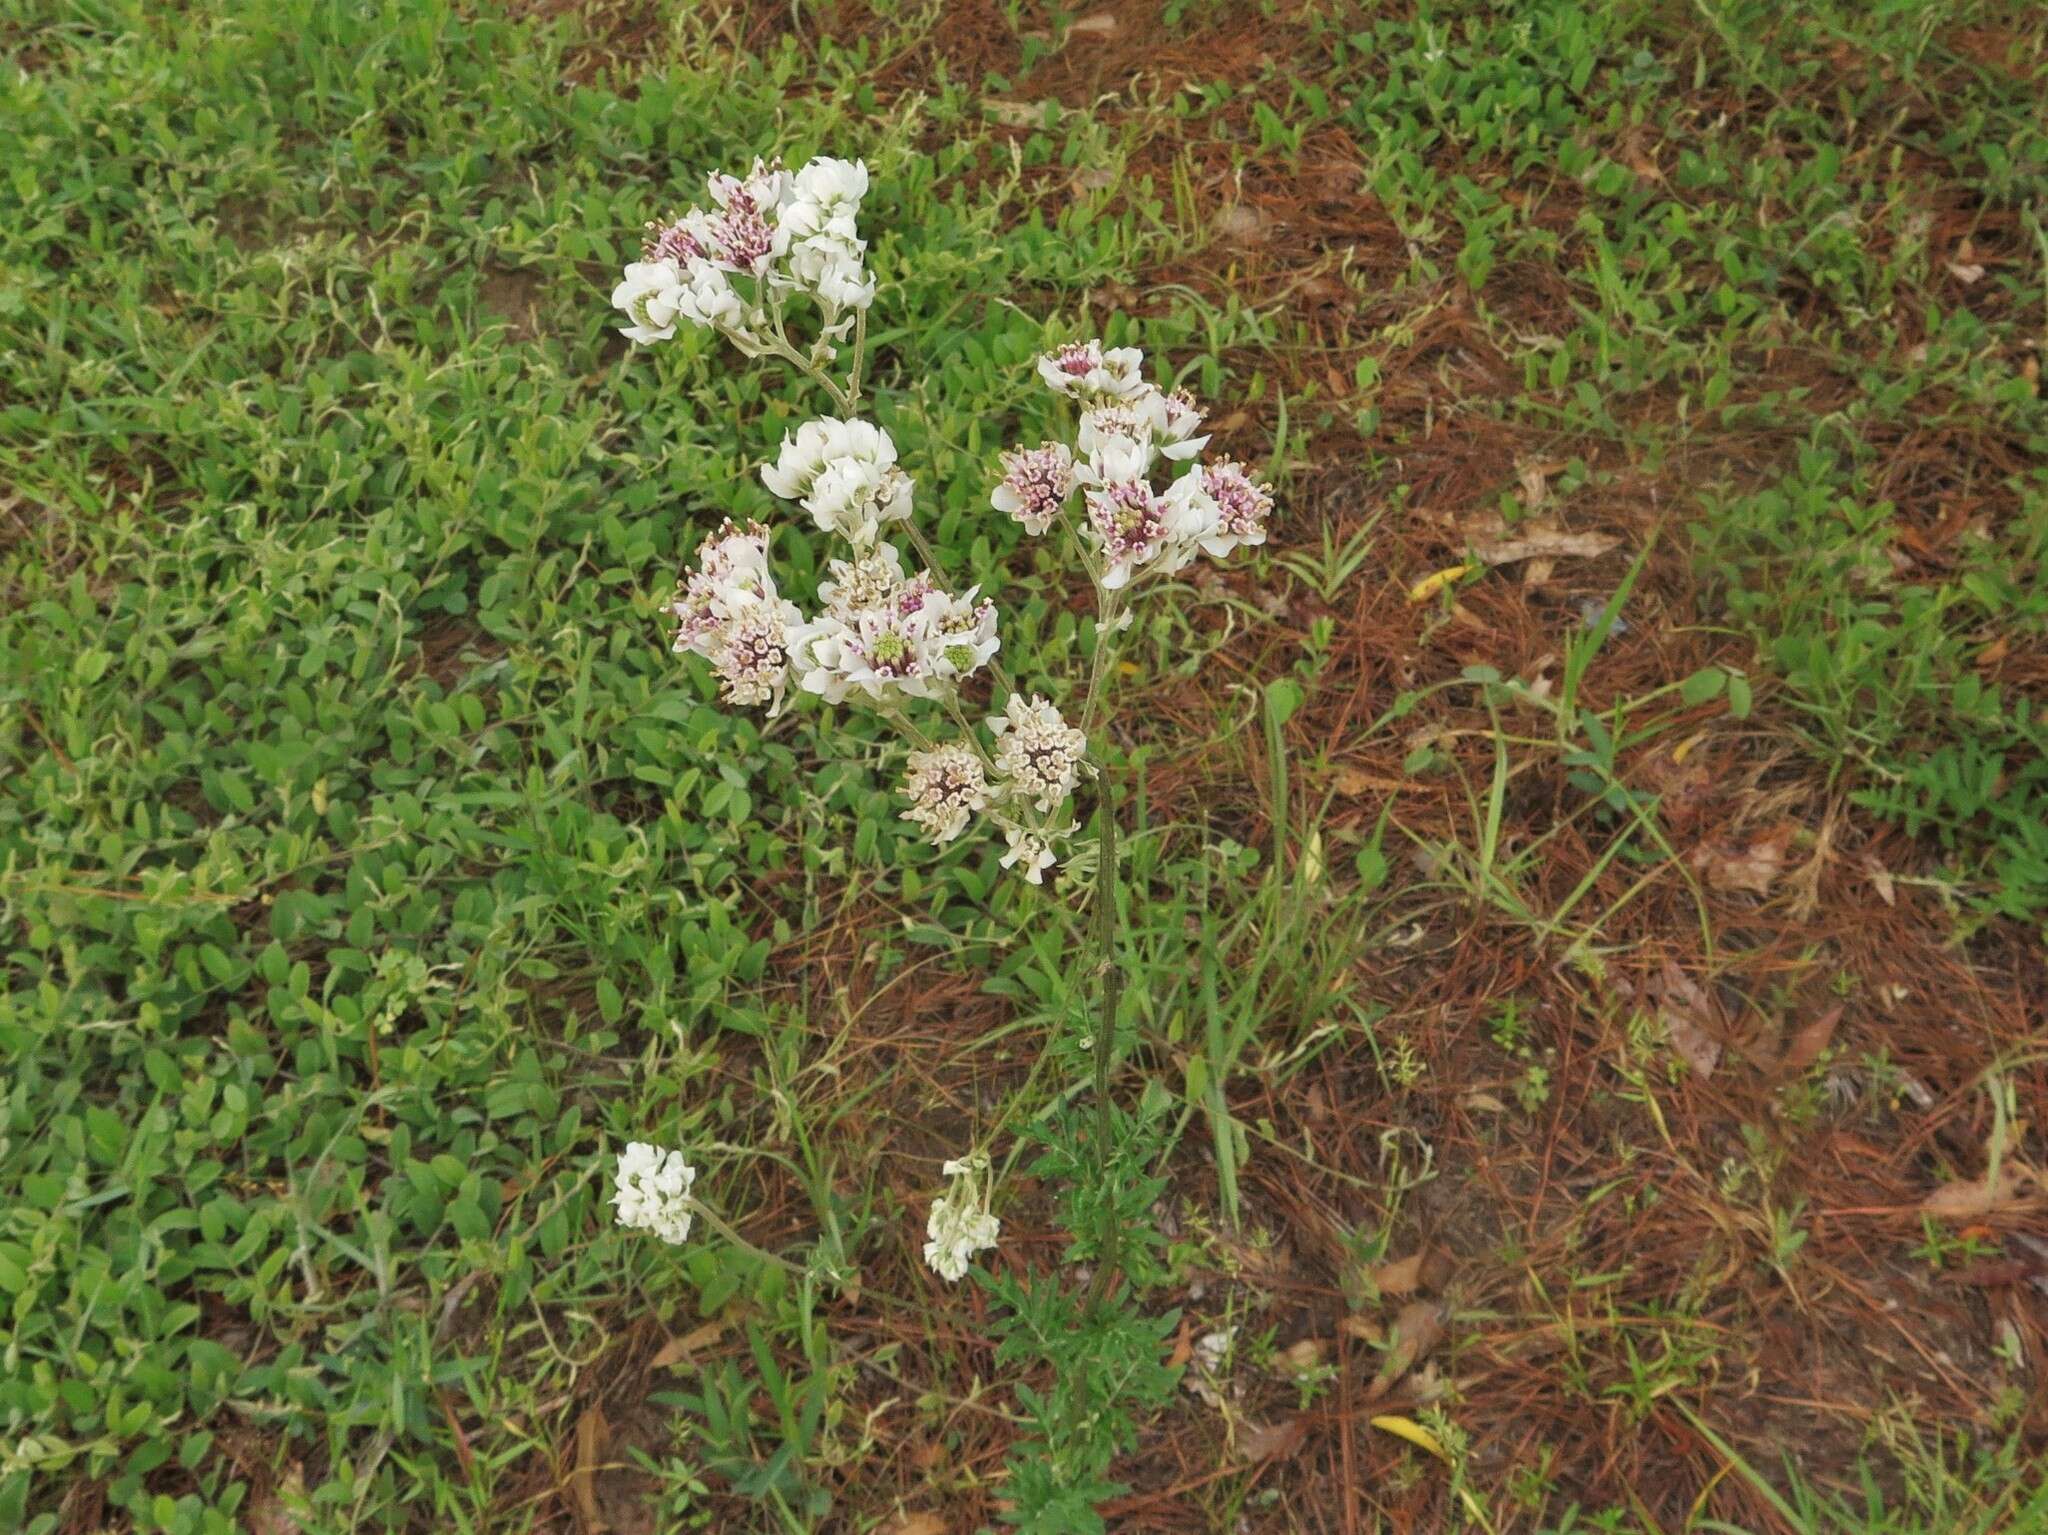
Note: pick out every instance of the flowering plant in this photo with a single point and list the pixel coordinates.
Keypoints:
(1128, 491)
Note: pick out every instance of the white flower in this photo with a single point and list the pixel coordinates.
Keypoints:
(1178, 439)
(679, 240)
(1215, 508)
(844, 473)
(960, 1224)
(650, 293)
(1038, 753)
(1028, 853)
(853, 496)
(1128, 521)
(962, 633)
(1085, 371)
(838, 279)
(1036, 483)
(908, 639)
(868, 580)
(832, 183)
(1242, 507)
(653, 1192)
(1126, 430)
(729, 612)
(818, 443)
(1192, 517)
(708, 298)
(945, 786)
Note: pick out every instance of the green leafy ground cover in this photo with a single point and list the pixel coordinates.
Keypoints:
(370, 870)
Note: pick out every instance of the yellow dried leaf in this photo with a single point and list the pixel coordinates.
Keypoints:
(1413, 1432)
(1436, 581)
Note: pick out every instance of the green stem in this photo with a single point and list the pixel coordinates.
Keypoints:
(1110, 983)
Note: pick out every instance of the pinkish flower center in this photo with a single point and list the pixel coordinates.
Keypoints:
(743, 235)
(1128, 518)
(671, 242)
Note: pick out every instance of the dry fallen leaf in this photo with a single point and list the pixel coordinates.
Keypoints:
(1535, 480)
(1416, 1331)
(1353, 783)
(1264, 1443)
(1971, 1197)
(1811, 1041)
(1753, 866)
(1689, 1020)
(1401, 1277)
(685, 1349)
(593, 1437)
(270, 1513)
(1436, 581)
(1363, 1328)
(1413, 1432)
(1542, 540)
(1299, 1359)
(1018, 114)
(918, 1524)
(1241, 224)
(1483, 1102)
(1965, 272)
(1101, 24)
(1880, 880)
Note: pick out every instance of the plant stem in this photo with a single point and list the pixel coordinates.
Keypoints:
(1109, 980)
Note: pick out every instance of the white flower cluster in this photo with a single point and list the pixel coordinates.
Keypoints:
(845, 474)
(888, 636)
(885, 635)
(1129, 430)
(653, 1192)
(729, 612)
(786, 232)
(1025, 784)
(882, 635)
(961, 1224)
